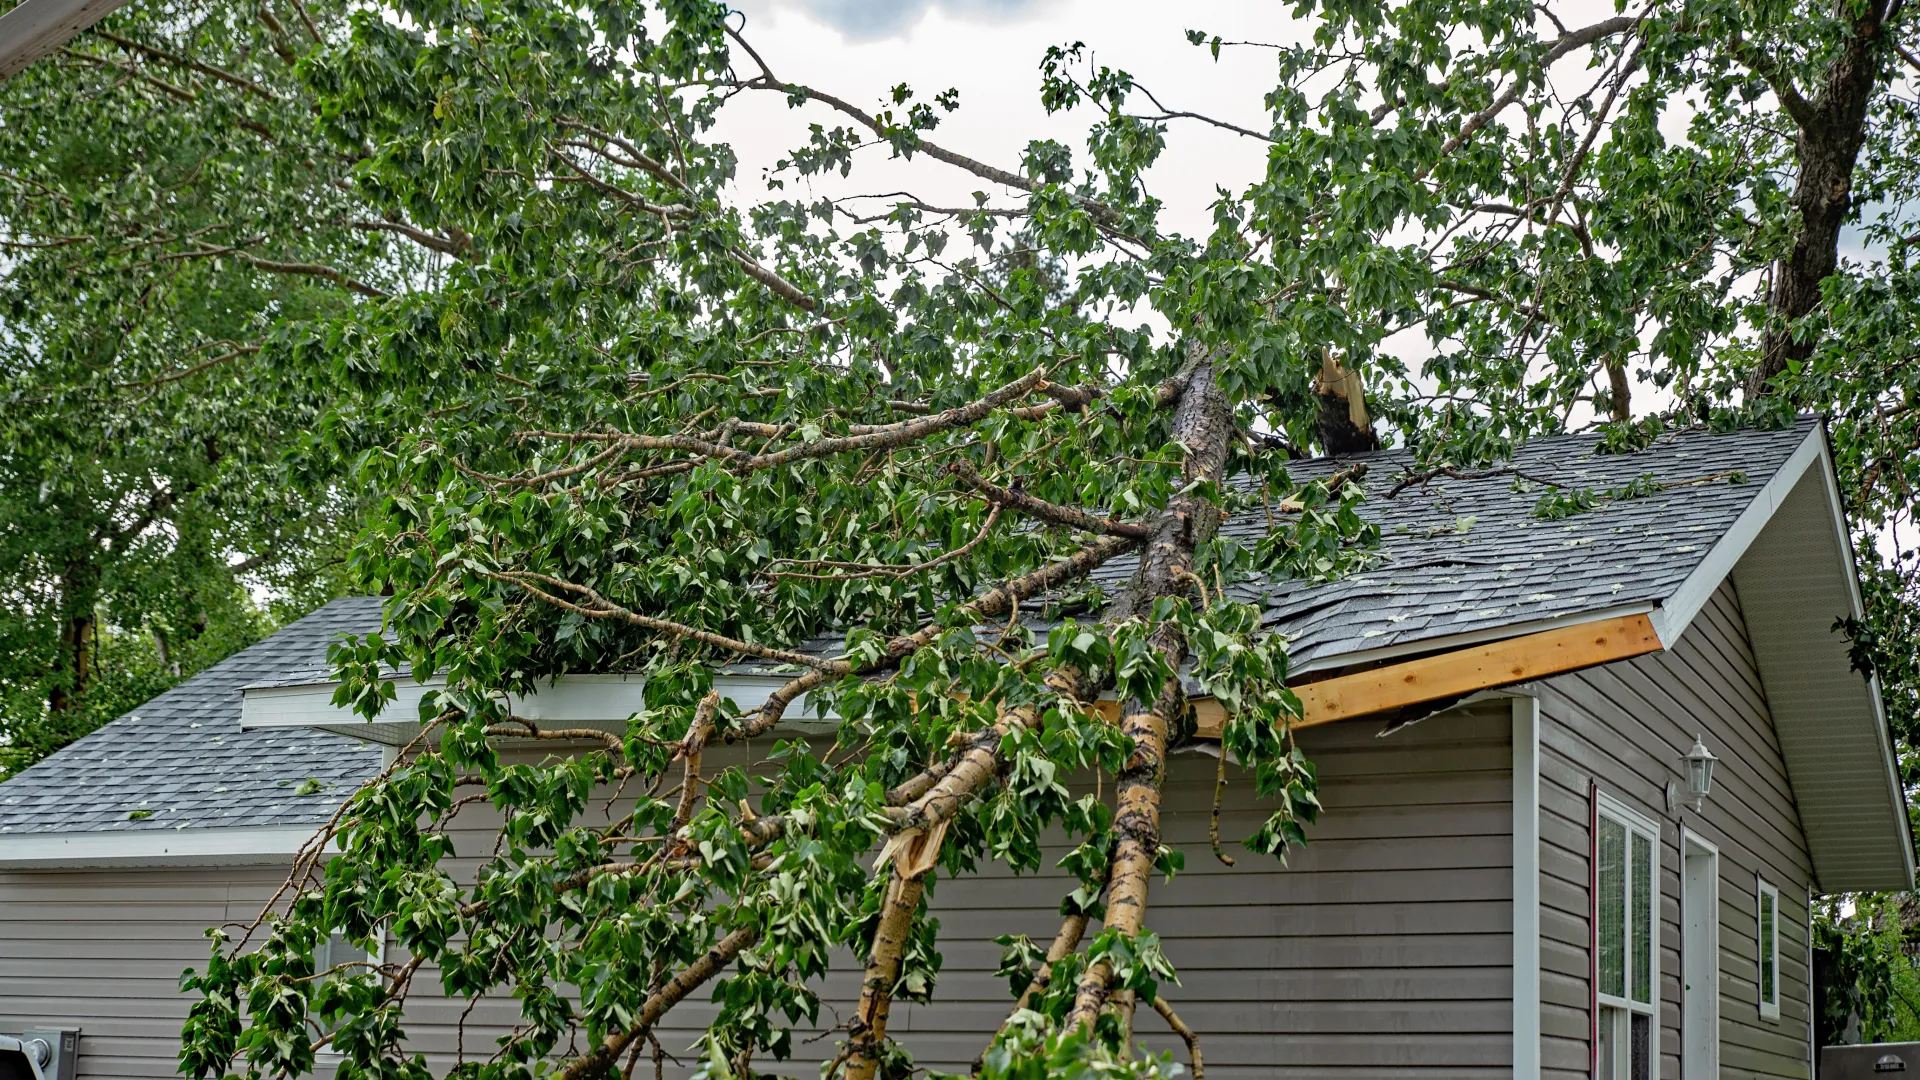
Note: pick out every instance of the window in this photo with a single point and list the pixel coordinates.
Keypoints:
(335, 951)
(1767, 939)
(1627, 967)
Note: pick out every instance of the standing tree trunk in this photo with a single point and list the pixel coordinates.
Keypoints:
(1830, 131)
(1619, 390)
(79, 635)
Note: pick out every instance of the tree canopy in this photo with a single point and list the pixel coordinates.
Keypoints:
(148, 460)
(608, 418)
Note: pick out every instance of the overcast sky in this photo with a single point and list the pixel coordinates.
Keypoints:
(990, 50)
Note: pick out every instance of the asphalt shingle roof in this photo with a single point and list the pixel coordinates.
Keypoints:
(1464, 555)
(183, 758)
(1457, 556)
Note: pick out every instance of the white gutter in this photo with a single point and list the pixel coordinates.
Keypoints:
(37, 27)
(236, 846)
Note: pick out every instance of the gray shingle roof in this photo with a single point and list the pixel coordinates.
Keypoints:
(1462, 556)
(1457, 556)
(183, 757)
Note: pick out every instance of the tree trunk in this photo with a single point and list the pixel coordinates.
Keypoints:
(869, 1034)
(1831, 129)
(1620, 391)
(79, 635)
(1342, 420)
(1203, 424)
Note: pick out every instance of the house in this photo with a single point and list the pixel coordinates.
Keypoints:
(1511, 877)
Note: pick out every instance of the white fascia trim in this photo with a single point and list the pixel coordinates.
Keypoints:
(1676, 613)
(237, 846)
(1460, 641)
(1526, 885)
(37, 27)
(571, 699)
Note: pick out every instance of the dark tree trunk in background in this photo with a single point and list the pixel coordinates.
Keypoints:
(79, 634)
(1831, 129)
(1619, 391)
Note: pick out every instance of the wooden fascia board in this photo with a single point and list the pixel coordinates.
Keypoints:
(1458, 673)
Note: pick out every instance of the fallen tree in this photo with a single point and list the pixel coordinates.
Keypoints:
(956, 472)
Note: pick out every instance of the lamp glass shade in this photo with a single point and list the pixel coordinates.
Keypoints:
(1700, 762)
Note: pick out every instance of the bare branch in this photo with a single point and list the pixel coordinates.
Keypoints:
(1069, 516)
(597, 606)
(221, 74)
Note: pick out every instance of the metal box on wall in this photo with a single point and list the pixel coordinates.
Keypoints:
(1871, 1061)
(40, 1054)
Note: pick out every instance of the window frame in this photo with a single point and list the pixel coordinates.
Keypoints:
(1762, 948)
(1610, 1008)
(327, 1056)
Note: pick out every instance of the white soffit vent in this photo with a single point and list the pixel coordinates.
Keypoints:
(260, 846)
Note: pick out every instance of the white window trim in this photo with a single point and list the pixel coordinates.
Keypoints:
(327, 1057)
(1769, 1010)
(1635, 820)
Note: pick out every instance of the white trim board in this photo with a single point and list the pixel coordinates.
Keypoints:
(37, 27)
(602, 701)
(1526, 886)
(1676, 613)
(236, 846)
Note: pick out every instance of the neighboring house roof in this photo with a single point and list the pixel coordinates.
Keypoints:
(1464, 560)
(179, 768)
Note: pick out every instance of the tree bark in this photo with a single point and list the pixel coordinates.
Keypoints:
(869, 1033)
(79, 635)
(1831, 129)
(1203, 424)
(1619, 391)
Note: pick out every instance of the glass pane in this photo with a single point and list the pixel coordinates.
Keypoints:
(1642, 920)
(1613, 908)
(1768, 990)
(1612, 1054)
(337, 951)
(1642, 1045)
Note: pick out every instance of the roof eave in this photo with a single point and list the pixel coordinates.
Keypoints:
(1794, 575)
(274, 845)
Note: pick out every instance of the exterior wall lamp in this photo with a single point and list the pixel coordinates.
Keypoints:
(1699, 773)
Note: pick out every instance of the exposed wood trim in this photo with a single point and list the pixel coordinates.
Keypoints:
(1461, 672)
(1454, 642)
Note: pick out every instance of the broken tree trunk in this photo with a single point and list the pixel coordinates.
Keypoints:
(1203, 425)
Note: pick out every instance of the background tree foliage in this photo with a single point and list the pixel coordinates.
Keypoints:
(609, 420)
(149, 460)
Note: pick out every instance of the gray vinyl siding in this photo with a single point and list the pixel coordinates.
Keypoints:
(1626, 726)
(1382, 948)
(104, 950)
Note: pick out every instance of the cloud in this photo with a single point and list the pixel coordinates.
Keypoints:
(871, 20)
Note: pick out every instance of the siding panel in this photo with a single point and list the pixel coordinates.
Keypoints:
(1626, 726)
(1382, 948)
